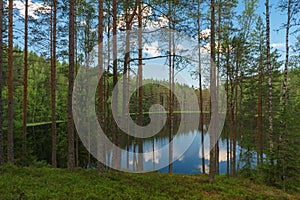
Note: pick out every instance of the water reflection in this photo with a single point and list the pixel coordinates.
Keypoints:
(190, 162)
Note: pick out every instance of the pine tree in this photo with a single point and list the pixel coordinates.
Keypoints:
(24, 151)
(140, 82)
(282, 134)
(270, 95)
(1, 77)
(200, 86)
(212, 158)
(71, 161)
(10, 136)
(53, 83)
(100, 63)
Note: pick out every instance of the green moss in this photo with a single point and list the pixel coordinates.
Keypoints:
(48, 183)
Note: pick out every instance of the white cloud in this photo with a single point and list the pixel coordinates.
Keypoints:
(205, 33)
(206, 168)
(222, 154)
(150, 25)
(152, 49)
(155, 158)
(277, 45)
(130, 162)
(181, 158)
(82, 22)
(32, 8)
(207, 47)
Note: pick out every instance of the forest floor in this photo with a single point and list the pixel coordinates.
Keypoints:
(47, 183)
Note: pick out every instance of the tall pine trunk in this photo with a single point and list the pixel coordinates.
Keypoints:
(106, 80)
(100, 85)
(200, 89)
(270, 96)
(53, 85)
(259, 111)
(171, 84)
(126, 78)
(285, 96)
(1, 76)
(231, 125)
(24, 128)
(218, 76)
(10, 136)
(236, 110)
(126, 71)
(212, 160)
(116, 137)
(140, 83)
(228, 123)
(71, 161)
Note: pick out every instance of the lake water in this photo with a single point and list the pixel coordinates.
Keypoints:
(190, 162)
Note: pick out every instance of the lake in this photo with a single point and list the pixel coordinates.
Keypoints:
(186, 151)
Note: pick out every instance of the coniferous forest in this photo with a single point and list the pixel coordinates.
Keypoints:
(226, 75)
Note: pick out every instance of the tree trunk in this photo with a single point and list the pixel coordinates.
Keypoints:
(231, 126)
(126, 77)
(228, 122)
(140, 83)
(71, 162)
(115, 159)
(200, 88)
(270, 96)
(1, 76)
(126, 60)
(212, 160)
(218, 76)
(285, 93)
(24, 128)
(10, 136)
(259, 111)
(76, 115)
(100, 85)
(171, 84)
(236, 109)
(53, 85)
(106, 81)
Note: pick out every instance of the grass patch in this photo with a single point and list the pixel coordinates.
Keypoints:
(48, 183)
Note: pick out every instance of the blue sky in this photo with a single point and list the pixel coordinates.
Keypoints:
(277, 18)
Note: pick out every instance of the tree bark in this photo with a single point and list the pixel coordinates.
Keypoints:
(259, 111)
(140, 83)
(171, 84)
(231, 126)
(10, 136)
(270, 96)
(53, 85)
(236, 108)
(285, 92)
(100, 85)
(228, 123)
(116, 137)
(71, 162)
(218, 76)
(1, 77)
(126, 77)
(200, 88)
(24, 127)
(212, 160)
